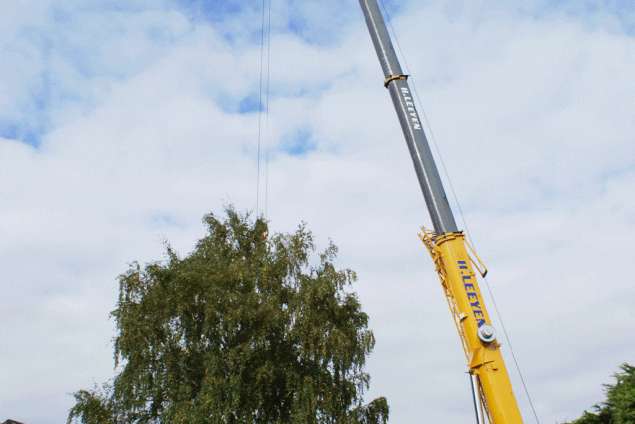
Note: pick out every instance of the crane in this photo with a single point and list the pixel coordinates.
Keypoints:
(453, 257)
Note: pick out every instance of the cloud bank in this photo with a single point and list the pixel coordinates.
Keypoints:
(120, 126)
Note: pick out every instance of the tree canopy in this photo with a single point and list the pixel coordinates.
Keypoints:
(247, 328)
(619, 406)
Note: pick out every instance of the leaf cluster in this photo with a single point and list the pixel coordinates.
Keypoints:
(242, 330)
(619, 407)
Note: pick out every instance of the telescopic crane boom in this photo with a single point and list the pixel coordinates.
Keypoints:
(492, 388)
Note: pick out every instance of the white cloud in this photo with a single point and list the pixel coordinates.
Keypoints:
(534, 117)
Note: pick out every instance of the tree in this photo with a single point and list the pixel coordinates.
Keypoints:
(242, 330)
(619, 407)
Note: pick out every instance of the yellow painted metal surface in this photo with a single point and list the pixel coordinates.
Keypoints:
(456, 271)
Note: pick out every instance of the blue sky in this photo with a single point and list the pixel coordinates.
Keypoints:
(123, 123)
(49, 89)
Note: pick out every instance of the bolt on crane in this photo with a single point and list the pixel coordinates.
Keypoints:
(491, 387)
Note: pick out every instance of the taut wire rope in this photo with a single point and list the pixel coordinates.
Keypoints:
(460, 209)
(267, 97)
(264, 83)
(262, 50)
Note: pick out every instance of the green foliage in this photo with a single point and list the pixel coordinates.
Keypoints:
(619, 407)
(242, 330)
(93, 407)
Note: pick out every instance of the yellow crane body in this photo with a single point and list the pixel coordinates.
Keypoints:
(455, 267)
(491, 386)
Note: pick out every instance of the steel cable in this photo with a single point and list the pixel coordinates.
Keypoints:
(260, 84)
(267, 98)
(264, 84)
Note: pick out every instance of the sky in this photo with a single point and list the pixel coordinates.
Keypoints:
(123, 122)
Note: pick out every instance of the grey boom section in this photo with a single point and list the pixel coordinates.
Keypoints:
(411, 124)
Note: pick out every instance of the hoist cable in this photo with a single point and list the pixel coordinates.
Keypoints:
(460, 209)
(267, 98)
(260, 84)
(263, 105)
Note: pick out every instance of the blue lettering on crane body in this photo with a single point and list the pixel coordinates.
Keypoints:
(472, 294)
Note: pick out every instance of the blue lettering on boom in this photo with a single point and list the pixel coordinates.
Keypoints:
(472, 295)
